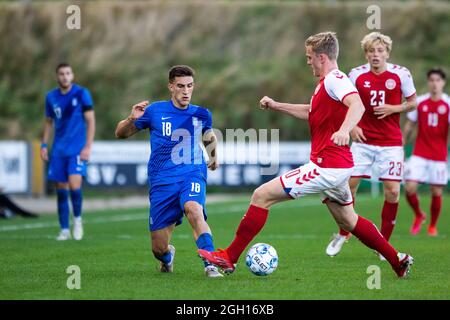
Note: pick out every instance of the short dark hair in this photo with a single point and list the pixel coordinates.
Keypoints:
(62, 65)
(180, 71)
(437, 71)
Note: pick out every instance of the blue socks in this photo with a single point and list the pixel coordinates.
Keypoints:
(63, 208)
(77, 199)
(165, 258)
(205, 242)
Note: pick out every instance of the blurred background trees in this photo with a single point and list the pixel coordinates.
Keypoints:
(240, 50)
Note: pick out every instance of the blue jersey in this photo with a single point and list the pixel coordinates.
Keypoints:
(67, 110)
(175, 137)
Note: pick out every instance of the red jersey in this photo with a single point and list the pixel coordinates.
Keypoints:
(375, 90)
(432, 118)
(325, 118)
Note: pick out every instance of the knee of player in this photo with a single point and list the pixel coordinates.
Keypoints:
(409, 188)
(392, 194)
(193, 210)
(258, 196)
(436, 192)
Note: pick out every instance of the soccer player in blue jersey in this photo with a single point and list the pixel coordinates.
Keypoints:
(69, 108)
(177, 170)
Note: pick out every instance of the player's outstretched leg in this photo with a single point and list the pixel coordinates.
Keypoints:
(368, 234)
(338, 240)
(436, 204)
(63, 212)
(251, 224)
(413, 201)
(162, 250)
(202, 234)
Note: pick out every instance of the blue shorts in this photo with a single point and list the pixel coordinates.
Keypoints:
(167, 201)
(60, 168)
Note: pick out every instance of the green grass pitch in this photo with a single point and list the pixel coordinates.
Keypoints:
(116, 261)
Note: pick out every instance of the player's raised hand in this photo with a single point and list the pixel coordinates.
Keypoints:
(44, 154)
(138, 109)
(384, 110)
(341, 138)
(267, 103)
(213, 164)
(357, 134)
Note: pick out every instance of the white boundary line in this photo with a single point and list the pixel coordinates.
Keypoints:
(141, 216)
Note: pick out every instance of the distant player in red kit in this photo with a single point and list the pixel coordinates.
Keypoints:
(428, 163)
(377, 139)
(334, 110)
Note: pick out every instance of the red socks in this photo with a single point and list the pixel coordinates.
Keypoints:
(388, 216)
(343, 232)
(436, 203)
(368, 234)
(252, 222)
(413, 201)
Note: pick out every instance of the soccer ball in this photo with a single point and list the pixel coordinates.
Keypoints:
(262, 259)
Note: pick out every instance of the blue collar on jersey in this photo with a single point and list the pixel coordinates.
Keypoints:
(179, 109)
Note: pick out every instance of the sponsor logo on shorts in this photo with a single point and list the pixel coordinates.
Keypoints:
(390, 84)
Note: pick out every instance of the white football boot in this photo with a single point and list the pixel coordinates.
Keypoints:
(77, 228)
(212, 272)
(335, 246)
(63, 235)
(168, 267)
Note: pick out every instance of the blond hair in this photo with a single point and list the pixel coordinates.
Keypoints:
(373, 37)
(324, 42)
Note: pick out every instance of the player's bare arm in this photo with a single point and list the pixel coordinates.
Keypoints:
(126, 127)
(299, 111)
(210, 143)
(354, 114)
(408, 130)
(357, 134)
(388, 109)
(89, 117)
(48, 125)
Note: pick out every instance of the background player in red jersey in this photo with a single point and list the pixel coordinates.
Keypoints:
(377, 139)
(428, 164)
(334, 110)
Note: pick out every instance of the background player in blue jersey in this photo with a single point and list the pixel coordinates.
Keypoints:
(69, 108)
(177, 170)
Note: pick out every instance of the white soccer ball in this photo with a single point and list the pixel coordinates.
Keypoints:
(262, 259)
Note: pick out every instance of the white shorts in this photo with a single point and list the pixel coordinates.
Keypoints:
(386, 163)
(330, 183)
(422, 170)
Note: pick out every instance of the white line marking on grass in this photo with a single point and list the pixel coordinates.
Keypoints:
(141, 216)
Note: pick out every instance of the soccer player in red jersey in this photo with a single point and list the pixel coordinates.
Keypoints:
(428, 163)
(334, 110)
(377, 139)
